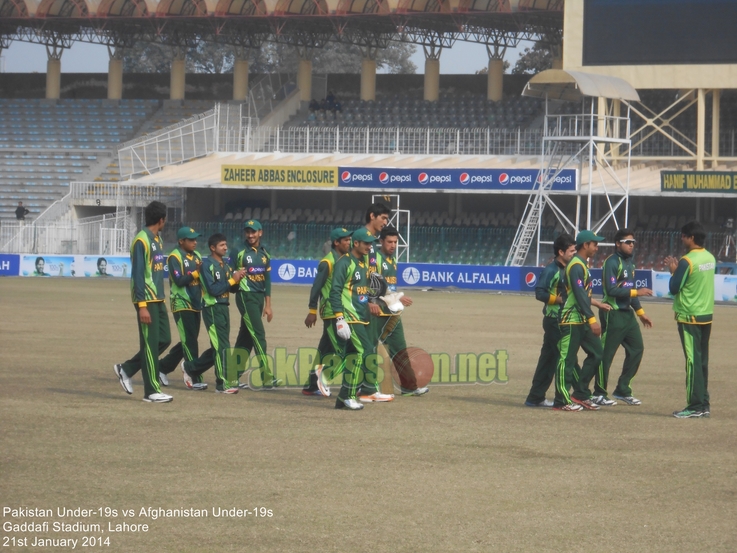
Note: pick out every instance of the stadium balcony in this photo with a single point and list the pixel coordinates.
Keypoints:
(46, 145)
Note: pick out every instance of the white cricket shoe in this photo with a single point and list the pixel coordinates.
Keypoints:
(187, 379)
(163, 379)
(349, 403)
(376, 397)
(158, 398)
(124, 379)
(322, 383)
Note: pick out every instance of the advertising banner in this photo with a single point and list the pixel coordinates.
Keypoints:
(450, 179)
(293, 271)
(47, 265)
(472, 277)
(97, 266)
(259, 175)
(722, 182)
(9, 264)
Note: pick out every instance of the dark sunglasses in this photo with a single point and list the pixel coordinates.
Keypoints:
(628, 241)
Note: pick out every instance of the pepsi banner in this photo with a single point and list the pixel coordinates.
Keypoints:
(450, 179)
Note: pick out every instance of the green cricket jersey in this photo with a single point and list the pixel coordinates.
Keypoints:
(147, 272)
(257, 263)
(320, 292)
(550, 285)
(216, 280)
(692, 287)
(184, 281)
(349, 292)
(618, 282)
(577, 308)
(386, 266)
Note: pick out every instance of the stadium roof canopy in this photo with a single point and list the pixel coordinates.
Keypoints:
(557, 84)
(299, 22)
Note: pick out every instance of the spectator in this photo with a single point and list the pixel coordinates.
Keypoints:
(21, 212)
(314, 105)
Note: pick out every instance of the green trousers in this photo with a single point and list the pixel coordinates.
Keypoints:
(325, 347)
(251, 335)
(619, 328)
(356, 368)
(153, 340)
(547, 363)
(695, 342)
(573, 337)
(217, 324)
(390, 332)
(188, 326)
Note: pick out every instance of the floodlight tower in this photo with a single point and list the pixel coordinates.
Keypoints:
(589, 142)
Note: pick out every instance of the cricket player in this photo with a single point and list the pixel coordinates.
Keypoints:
(254, 300)
(185, 296)
(217, 282)
(349, 301)
(692, 286)
(578, 329)
(147, 292)
(551, 291)
(340, 239)
(618, 325)
(388, 325)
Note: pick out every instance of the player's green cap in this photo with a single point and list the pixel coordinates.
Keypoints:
(363, 235)
(587, 236)
(187, 232)
(252, 224)
(338, 233)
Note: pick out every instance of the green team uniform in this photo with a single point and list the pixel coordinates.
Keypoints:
(692, 287)
(619, 325)
(216, 281)
(185, 297)
(147, 290)
(550, 286)
(319, 304)
(349, 299)
(576, 317)
(250, 297)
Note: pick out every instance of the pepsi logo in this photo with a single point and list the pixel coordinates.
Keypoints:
(465, 178)
(383, 177)
(503, 178)
(345, 176)
(423, 178)
(530, 279)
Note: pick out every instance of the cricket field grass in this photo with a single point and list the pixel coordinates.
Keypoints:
(463, 468)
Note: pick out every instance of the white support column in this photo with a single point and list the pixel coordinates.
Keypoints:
(304, 79)
(53, 72)
(715, 109)
(432, 72)
(700, 128)
(240, 77)
(178, 72)
(115, 73)
(368, 78)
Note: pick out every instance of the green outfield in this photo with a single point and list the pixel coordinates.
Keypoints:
(464, 468)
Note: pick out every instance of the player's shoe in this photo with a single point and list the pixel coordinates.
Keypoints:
(124, 379)
(707, 411)
(349, 403)
(376, 397)
(188, 382)
(273, 385)
(322, 384)
(199, 386)
(312, 393)
(603, 401)
(688, 414)
(163, 379)
(586, 404)
(629, 400)
(158, 398)
(227, 391)
(416, 392)
(568, 407)
(543, 403)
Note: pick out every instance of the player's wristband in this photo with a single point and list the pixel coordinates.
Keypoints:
(195, 274)
(232, 281)
(640, 312)
(633, 293)
(313, 311)
(592, 320)
(552, 299)
(142, 304)
(338, 315)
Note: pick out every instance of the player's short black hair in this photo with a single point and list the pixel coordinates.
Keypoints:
(388, 231)
(100, 260)
(155, 212)
(215, 239)
(39, 259)
(622, 233)
(696, 230)
(376, 210)
(563, 242)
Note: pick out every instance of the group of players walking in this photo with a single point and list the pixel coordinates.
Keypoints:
(569, 323)
(354, 292)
